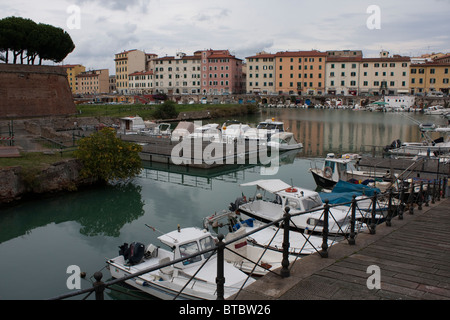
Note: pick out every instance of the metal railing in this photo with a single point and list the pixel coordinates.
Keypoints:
(407, 196)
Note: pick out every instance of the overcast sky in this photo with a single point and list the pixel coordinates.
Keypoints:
(245, 27)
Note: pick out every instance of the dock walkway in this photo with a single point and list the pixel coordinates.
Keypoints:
(413, 256)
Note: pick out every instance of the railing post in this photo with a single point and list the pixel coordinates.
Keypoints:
(427, 195)
(220, 278)
(439, 190)
(433, 198)
(401, 206)
(444, 187)
(389, 213)
(351, 240)
(99, 286)
(374, 208)
(324, 251)
(411, 199)
(285, 272)
(420, 197)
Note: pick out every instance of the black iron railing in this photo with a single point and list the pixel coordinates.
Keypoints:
(407, 196)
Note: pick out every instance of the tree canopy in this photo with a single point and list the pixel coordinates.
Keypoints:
(28, 40)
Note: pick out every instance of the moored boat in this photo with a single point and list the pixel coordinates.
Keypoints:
(191, 279)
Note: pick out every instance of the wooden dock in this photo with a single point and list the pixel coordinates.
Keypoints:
(413, 257)
(429, 168)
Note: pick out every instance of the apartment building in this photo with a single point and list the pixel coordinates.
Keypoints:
(260, 73)
(221, 72)
(128, 62)
(72, 71)
(385, 75)
(93, 82)
(179, 74)
(430, 77)
(141, 82)
(342, 74)
(300, 72)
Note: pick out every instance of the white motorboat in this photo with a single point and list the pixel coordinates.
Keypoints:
(428, 147)
(208, 132)
(308, 204)
(199, 282)
(344, 168)
(435, 110)
(284, 141)
(263, 248)
(265, 129)
(233, 131)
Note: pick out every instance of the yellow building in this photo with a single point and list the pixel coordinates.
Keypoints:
(93, 82)
(72, 71)
(128, 62)
(300, 72)
(426, 78)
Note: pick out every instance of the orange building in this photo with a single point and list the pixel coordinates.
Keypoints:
(301, 72)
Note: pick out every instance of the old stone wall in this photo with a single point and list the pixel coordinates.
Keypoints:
(58, 177)
(34, 91)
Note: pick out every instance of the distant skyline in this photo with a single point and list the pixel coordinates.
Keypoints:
(102, 28)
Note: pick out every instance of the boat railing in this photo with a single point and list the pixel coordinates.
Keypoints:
(399, 201)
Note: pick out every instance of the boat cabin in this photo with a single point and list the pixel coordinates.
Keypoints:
(188, 241)
(271, 125)
(297, 199)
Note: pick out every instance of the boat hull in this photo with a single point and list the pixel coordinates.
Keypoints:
(322, 181)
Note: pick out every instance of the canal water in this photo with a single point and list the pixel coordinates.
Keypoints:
(40, 239)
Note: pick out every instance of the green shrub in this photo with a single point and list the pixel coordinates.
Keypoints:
(167, 110)
(106, 157)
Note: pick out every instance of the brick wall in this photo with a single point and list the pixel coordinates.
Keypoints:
(34, 91)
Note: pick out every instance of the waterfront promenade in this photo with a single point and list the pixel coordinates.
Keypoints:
(413, 256)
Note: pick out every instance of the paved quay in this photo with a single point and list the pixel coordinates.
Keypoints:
(413, 256)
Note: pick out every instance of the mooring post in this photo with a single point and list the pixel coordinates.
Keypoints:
(285, 272)
(324, 251)
(374, 208)
(351, 240)
(99, 286)
(220, 278)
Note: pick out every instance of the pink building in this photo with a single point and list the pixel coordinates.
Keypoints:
(221, 73)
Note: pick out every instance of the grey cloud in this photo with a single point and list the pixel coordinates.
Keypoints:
(119, 4)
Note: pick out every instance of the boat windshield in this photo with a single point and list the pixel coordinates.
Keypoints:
(330, 164)
(189, 249)
(311, 202)
(271, 126)
(207, 243)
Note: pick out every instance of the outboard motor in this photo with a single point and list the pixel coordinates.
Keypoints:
(134, 252)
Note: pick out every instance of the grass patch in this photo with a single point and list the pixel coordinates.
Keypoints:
(34, 160)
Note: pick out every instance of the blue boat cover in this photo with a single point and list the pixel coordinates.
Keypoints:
(343, 192)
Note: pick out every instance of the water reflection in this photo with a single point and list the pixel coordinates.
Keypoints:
(345, 131)
(99, 211)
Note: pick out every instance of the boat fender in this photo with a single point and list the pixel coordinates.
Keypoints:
(327, 172)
